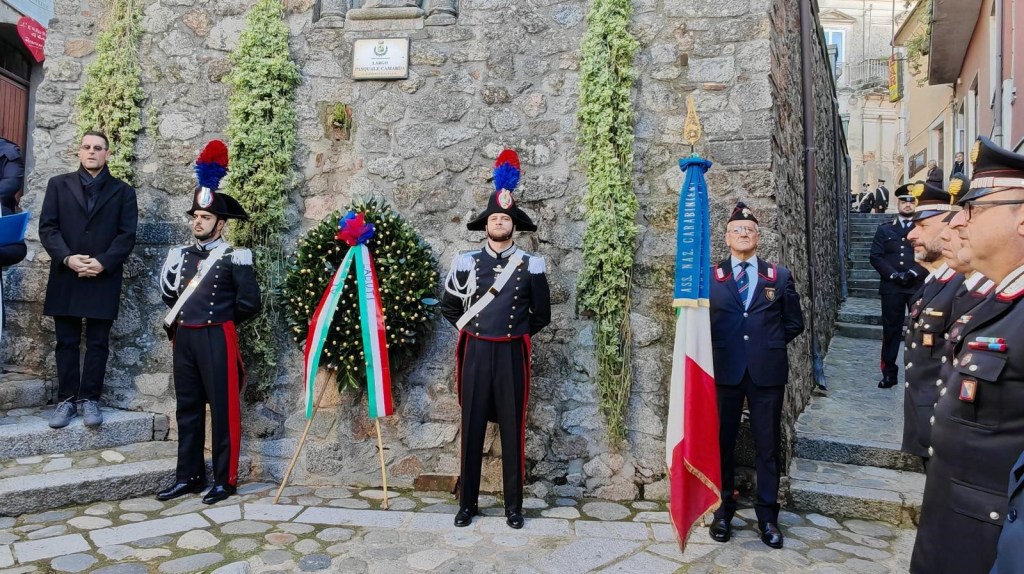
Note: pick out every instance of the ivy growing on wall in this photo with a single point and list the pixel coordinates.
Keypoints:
(112, 92)
(606, 138)
(920, 44)
(261, 132)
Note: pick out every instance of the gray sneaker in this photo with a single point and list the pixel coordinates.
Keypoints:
(63, 414)
(91, 415)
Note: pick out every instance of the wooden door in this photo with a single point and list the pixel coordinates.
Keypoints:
(13, 110)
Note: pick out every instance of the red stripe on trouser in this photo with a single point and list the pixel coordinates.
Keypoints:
(522, 420)
(234, 383)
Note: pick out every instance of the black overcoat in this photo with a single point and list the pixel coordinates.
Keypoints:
(107, 233)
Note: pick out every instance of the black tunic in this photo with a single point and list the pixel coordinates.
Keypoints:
(493, 360)
(977, 436)
(929, 320)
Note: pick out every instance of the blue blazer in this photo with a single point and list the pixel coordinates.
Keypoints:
(1010, 553)
(754, 339)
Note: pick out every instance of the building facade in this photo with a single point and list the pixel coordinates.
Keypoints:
(860, 33)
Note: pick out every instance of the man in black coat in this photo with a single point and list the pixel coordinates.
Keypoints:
(12, 172)
(755, 313)
(881, 197)
(979, 418)
(498, 298)
(87, 225)
(893, 257)
(210, 287)
(924, 353)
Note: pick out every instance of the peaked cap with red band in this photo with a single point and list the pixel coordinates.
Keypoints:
(506, 178)
(211, 167)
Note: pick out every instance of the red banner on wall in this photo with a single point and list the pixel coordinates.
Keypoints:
(33, 34)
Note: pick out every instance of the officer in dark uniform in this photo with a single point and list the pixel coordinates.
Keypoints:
(498, 298)
(893, 257)
(979, 418)
(881, 199)
(210, 287)
(1010, 552)
(930, 316)
(755, 313)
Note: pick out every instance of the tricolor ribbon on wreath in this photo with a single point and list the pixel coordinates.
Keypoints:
(355, 231)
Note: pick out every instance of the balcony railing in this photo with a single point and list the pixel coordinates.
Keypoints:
(864, 75)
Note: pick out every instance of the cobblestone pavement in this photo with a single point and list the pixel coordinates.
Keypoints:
(334, 529)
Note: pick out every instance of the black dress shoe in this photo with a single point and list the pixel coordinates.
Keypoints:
(464, 517)
(514, 519)
(218, 493)
(721, 530)
(770, 534)
(194, 485)
(887, 383)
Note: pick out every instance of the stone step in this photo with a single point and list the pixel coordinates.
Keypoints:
(850, 491)
(46, 482)
(865, 311)
(863, 293)
(862, 273)
(24, 432)
(19, 391)
(856, 451)
(863, 283)
(859, 330)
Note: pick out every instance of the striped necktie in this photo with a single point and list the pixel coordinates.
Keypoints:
(743, 282)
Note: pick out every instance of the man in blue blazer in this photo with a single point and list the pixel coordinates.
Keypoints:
(755, 312)
(1010, 553)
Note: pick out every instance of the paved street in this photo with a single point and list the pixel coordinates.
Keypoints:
(344, 530)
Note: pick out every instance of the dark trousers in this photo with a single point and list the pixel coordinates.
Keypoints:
(894, 313)
(766, 427)
(202, 364)
(85, 382)
(494, 386)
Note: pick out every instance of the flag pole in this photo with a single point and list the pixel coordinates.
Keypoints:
(383, 468)
(298, 448)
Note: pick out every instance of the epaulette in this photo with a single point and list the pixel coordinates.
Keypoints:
(537, 264)
(241, 256)
(464, 261)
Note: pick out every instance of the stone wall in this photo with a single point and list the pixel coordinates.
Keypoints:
(829, 198)
(504, 74)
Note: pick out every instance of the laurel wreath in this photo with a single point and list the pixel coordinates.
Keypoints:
(406, 274)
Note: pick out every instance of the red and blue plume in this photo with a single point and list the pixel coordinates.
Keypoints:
(212, 164)
(506, 171)
(354, 229)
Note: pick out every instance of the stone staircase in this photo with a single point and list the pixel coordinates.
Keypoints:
(847, 461)
(862, 277)
(43, 468)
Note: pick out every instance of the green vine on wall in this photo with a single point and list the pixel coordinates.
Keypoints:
(606, 138)
(261, 131)
(112, 92)
(919, 45)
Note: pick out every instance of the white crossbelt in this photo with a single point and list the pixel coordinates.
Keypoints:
(204, 267)
(514, 261)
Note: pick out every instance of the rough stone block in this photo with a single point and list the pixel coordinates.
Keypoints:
(31, 435)
(435, 482)
(347, 517)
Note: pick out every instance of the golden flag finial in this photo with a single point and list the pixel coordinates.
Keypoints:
(691, 127)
